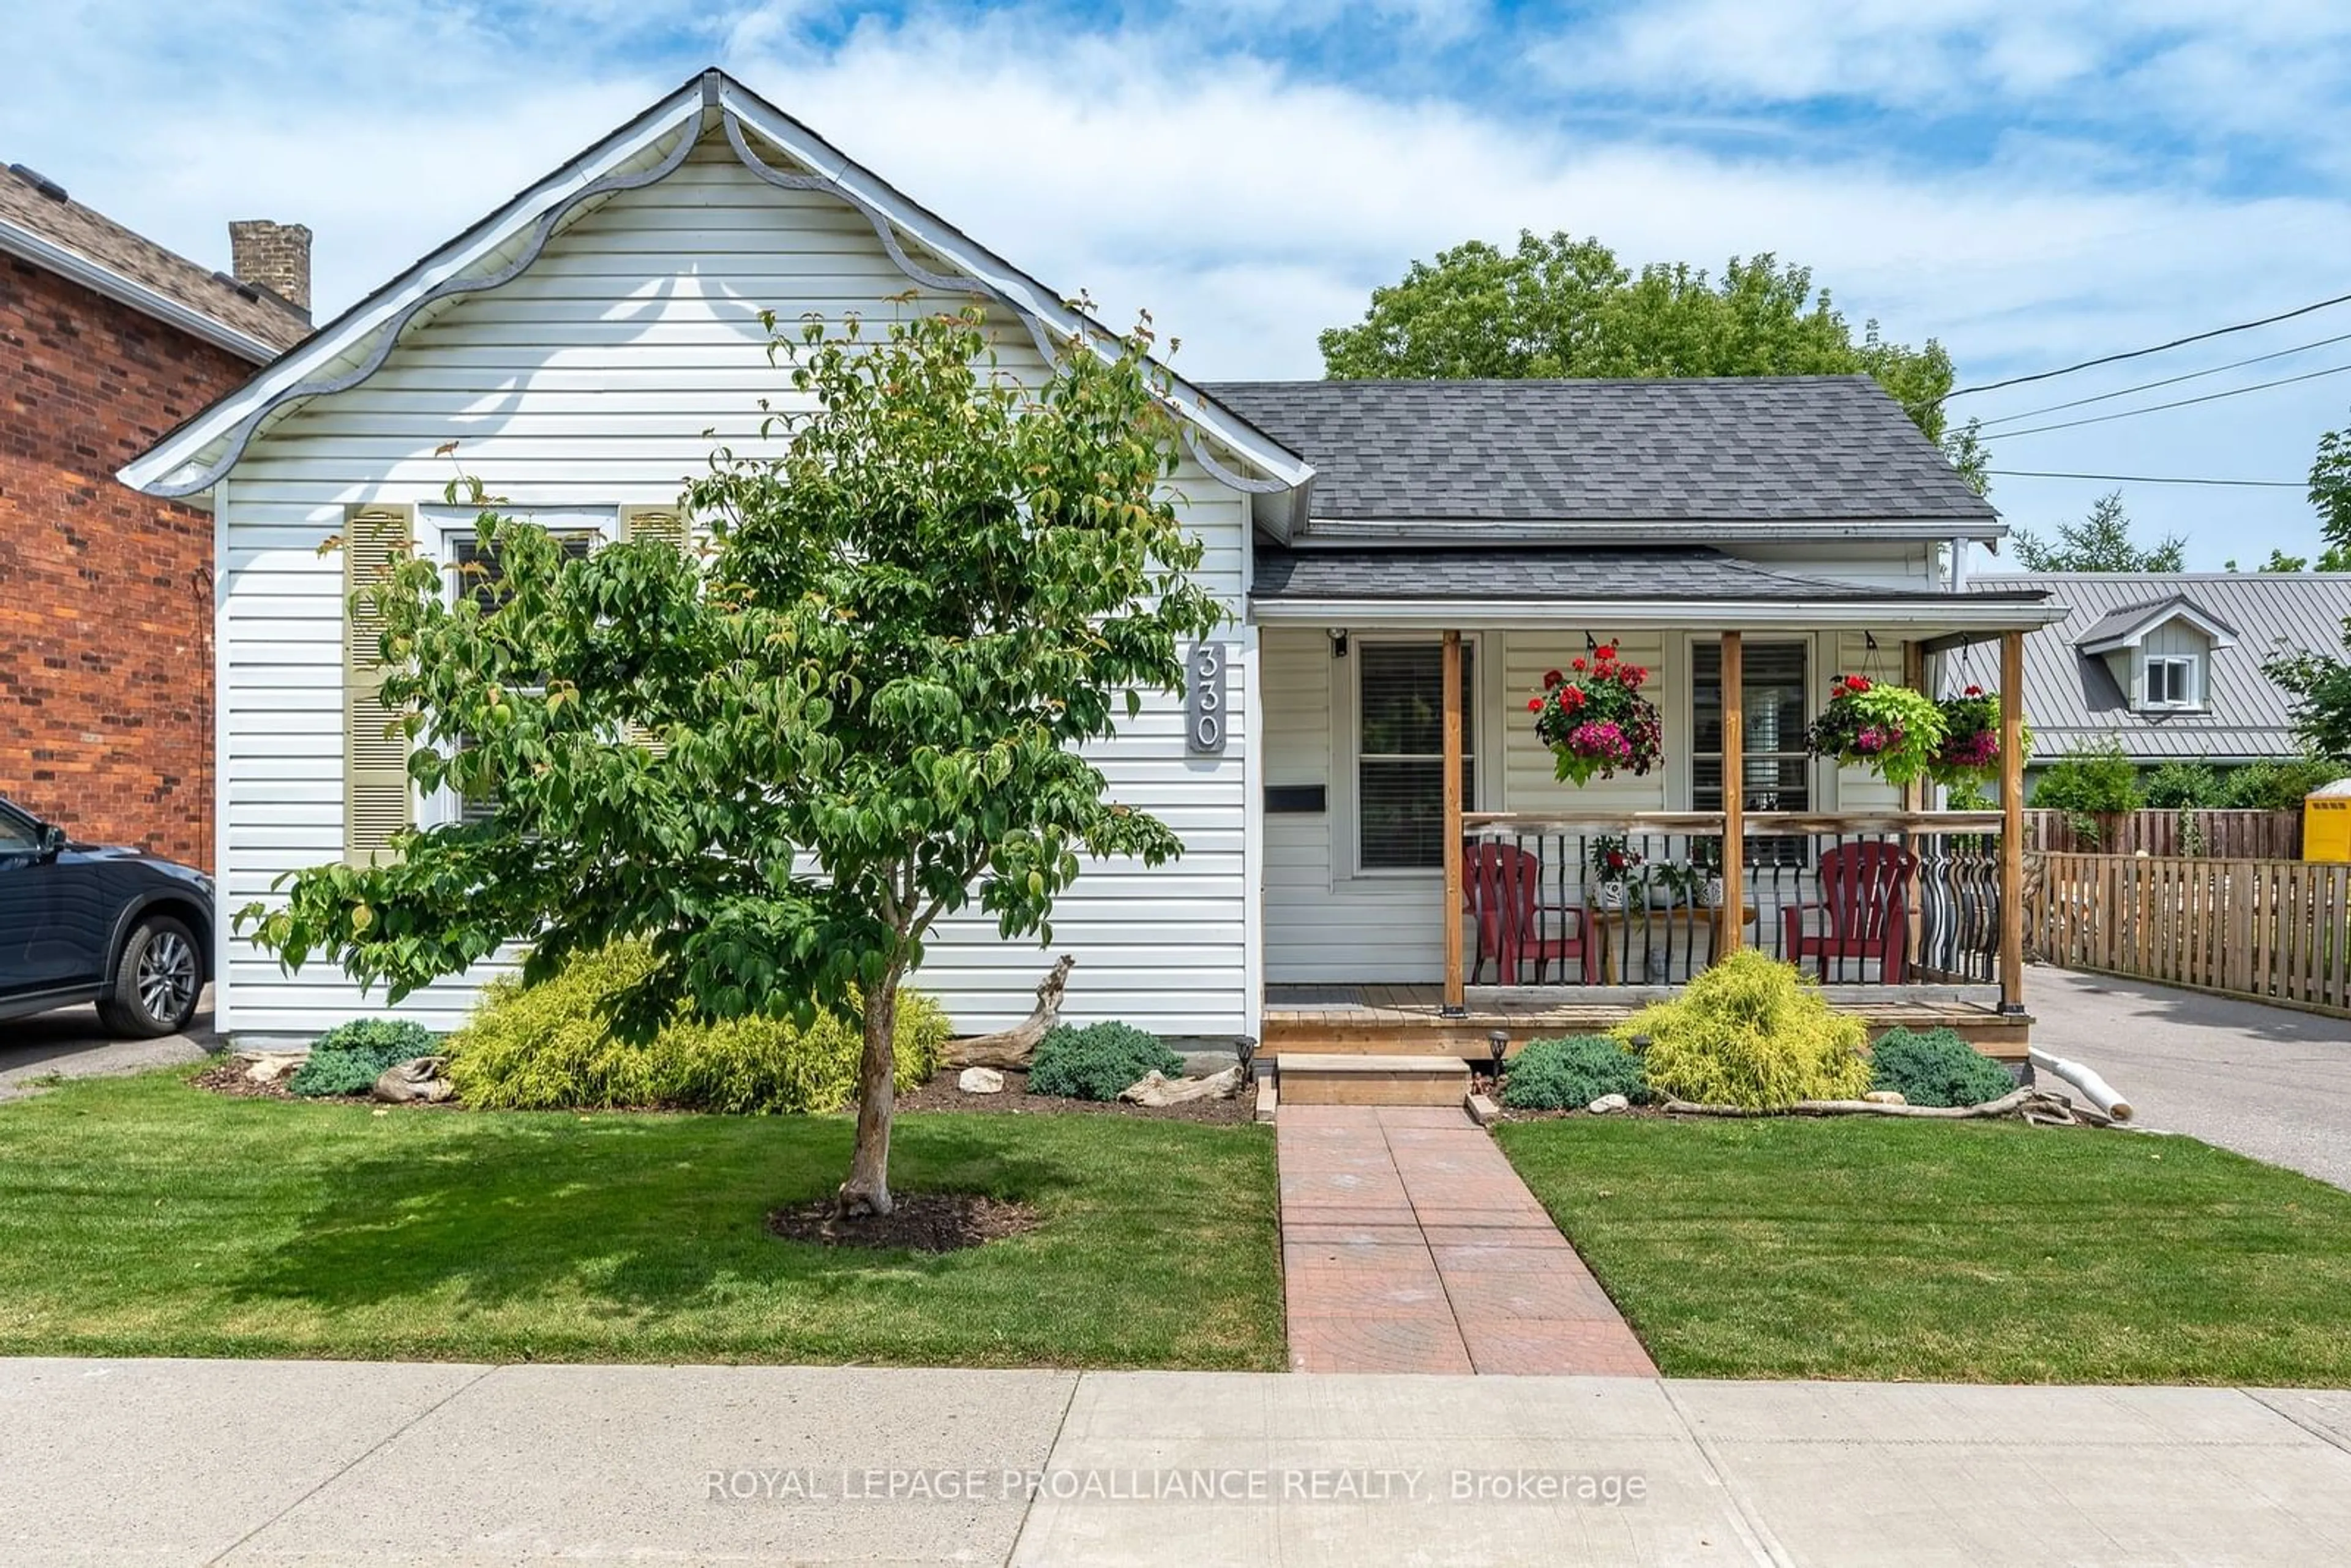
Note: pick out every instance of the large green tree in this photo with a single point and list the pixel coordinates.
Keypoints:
(1567, 307)
(2100, 542)
(784, 758)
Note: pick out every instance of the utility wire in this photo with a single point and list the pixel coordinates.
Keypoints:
(2165, 382)
(2176, 402)
(2145, 478)
(2142, 353)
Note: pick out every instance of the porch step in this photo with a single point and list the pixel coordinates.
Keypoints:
(1363, 1080)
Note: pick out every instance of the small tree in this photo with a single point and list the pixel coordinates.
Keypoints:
(783, 762)
(2100, 542)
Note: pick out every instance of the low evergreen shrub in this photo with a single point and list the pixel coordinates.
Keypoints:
(1936, 1068)
(1749, 1031)
(1096, 1061)
(350, 1058)
(550, 1047)
(1563, 1075)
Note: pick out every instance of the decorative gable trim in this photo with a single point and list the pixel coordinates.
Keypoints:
(193, 457)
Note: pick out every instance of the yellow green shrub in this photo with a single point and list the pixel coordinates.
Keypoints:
(1750, 1032)
(548, 1047)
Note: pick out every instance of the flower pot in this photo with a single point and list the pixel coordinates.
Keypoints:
(1709, 896)
(1606, 894)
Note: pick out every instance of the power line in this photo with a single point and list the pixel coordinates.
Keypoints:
(2142, 353)
(2145, 478)
(2165, 382)
(2176, 402)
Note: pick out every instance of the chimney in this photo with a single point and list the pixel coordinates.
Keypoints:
(275, 256)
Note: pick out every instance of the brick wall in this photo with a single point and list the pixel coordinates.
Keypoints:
(105, 594)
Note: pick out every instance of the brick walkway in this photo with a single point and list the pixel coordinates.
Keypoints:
(1409, 1244)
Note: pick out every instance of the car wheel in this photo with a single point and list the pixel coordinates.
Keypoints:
(156, 980)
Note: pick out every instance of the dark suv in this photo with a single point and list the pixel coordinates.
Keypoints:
(79, 923)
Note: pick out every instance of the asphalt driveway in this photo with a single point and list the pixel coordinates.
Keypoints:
(71, 1043)
(2267, 1082)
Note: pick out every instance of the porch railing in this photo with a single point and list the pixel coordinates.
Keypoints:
(1883, 899)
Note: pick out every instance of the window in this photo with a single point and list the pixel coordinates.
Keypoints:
(2170, 681)
(1779, 769)
(470, 572)
(19, 835)
(1400, 752)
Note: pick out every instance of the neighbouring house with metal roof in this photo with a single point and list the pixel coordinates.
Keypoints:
(1379, 850)
(106, 340)
(2169, 663)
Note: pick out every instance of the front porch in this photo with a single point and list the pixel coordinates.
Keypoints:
(1907, 916)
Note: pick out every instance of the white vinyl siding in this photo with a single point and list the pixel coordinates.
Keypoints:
(590, 382)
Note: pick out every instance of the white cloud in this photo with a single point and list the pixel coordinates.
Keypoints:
(1250, 202)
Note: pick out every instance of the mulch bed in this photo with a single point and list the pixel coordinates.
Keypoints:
(917, 1221)
(941, 1094)
(227, 1077)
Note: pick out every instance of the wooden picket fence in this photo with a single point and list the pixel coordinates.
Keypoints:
(2273, 930)
(2217, 835)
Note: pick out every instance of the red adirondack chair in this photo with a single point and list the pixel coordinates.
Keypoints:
(1863, 902)
(1499, 885)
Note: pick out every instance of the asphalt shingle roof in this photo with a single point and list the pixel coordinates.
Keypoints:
(1546, 572)
(97, 238)
(1734, 449)
(2071, 697)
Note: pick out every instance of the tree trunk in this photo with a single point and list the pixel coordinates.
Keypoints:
(867, 1190)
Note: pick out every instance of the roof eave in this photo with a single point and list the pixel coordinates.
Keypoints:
(1450, 531)
(104, 280)
(1945, 613)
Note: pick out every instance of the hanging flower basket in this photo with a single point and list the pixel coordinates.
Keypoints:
(1595, 719)
(1969, 753)
(1893, 731)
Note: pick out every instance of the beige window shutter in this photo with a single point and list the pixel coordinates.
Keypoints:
(652, 523)
(376, 803)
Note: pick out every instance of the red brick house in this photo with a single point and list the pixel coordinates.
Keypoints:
(107, 341)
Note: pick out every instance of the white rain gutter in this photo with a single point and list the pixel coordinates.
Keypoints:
(78, 268)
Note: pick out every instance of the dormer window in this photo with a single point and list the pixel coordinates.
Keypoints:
(2171, 681)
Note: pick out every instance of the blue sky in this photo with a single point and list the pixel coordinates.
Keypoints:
(2033, 182)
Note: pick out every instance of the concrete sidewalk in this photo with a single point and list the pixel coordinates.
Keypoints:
(288, 1462)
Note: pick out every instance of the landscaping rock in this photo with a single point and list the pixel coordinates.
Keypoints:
(415, 1081)
(1608, 1104)
(271, 1066)
(980, 1081)
(1156, 1088)
(1885, 1097)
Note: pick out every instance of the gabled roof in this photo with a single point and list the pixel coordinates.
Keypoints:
(2070, 695)
(1804, 455)
(91, 249)
(350, 348)
(2129, 623)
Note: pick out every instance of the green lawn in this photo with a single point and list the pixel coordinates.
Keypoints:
(145, 1217)
(1967, 1252)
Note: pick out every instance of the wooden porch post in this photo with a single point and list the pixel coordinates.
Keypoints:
(1730, 925)
(1456, 994)
(2012, 822)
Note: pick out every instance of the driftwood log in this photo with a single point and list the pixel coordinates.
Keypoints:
(1156, 1088)
(1013, 1047)
(2032, 1104)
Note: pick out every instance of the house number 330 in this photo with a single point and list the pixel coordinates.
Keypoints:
(1204, 701)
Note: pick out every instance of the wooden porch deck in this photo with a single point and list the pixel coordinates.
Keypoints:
(1407, 1020)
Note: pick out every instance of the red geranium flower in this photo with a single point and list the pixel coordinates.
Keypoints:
(1534, 704)
(1576, 664)
(1551, 678)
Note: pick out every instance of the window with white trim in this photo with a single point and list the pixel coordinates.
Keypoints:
(2170, 681)
(1778, 770)
(469, 570)
(1400, 752)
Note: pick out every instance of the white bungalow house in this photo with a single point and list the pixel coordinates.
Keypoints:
(1750, 536)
